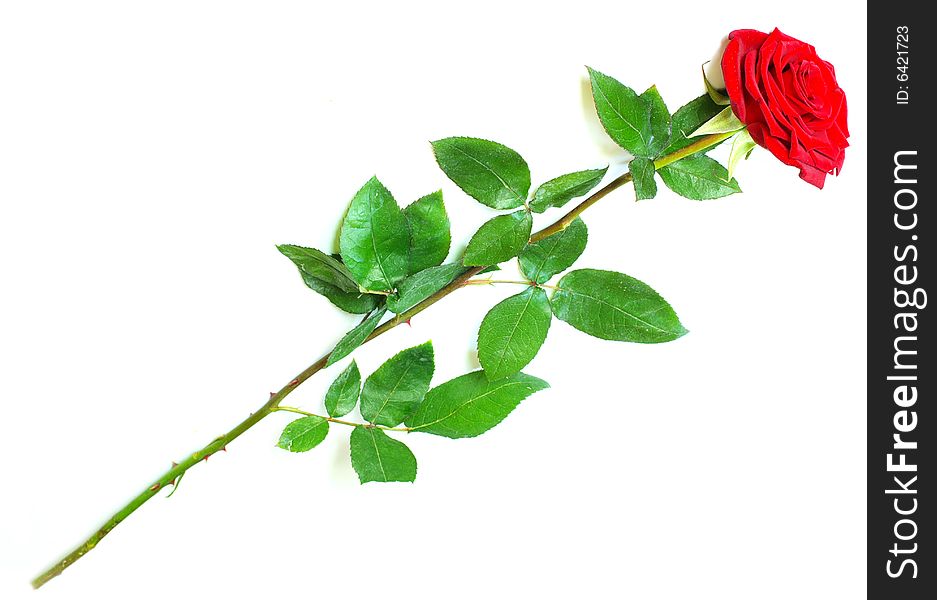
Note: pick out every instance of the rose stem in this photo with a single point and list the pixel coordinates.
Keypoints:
(220, 442)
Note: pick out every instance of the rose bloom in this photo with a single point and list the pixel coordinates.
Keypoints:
(789, 99)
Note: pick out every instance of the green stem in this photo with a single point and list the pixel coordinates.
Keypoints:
(273, 404)
(510, 281)
(339, 421)
(494, 281)
(173, 475)
(701, 144)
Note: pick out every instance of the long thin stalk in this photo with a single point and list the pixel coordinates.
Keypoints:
(338, 421)
(171, 477)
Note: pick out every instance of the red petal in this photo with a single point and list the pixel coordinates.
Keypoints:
(741, 42)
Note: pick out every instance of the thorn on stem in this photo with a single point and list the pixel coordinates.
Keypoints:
(409, 324)
(272, 394)
(155, 487)
(294, 382)
(174, 464)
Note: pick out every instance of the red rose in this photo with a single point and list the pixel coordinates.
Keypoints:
(789, 99)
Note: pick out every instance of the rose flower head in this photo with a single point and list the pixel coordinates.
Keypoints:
(789, 100)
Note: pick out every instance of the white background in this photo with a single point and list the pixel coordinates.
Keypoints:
(152, 154)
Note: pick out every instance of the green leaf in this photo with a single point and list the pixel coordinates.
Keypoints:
(542, 260)
(304, 434)
(512, 333)
(742, 146)
(500, 239)
(356, 336)
(342, 395)
(717, 96)
(320, 265)
(429, 232)
(379, 457)
(375, 239)
(699, 177)
(642, 175)
(624, 115)
(559, 191)
(420, 286)
(394, 391)
(724, 122)
(353, 302)
(688, 119)
(659, 122)
(470, 405)
(614, 306)
(491, 173)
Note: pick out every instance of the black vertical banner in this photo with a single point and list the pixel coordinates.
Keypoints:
(902, 370)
